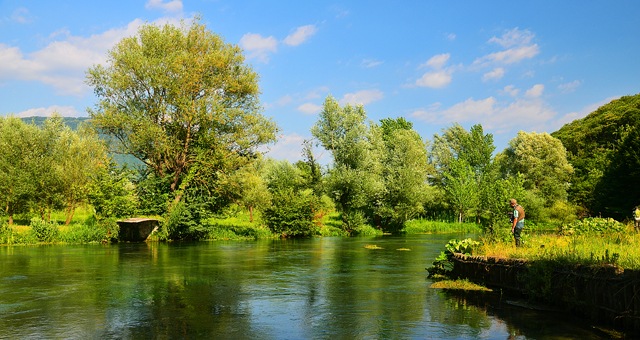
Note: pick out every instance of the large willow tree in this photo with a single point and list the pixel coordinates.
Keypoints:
(183, 102)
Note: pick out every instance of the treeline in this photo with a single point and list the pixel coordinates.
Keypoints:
(183, 103)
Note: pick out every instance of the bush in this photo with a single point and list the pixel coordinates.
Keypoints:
(6, 234)
(443, 264)
(367, 230)
(591, 225)
(292, 213)
(43, 230)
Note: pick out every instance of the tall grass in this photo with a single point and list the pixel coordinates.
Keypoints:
(423, 226)
(618, 248)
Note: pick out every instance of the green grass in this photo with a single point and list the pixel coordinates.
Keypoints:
(610, 248)
(459, 285)
(422, 226)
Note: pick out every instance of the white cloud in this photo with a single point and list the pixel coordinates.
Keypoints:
(535, 91)
(310, 108)
(258, 46)
(513, 37)
(300, 35)
(439, 76)
(434, 80)
(510, 56)
(451, 36)
(63, 62)
(437, 61)
(64, 111)
(570, 86)
(370, 63)
(317, 93)
(496, 73)
(288, 147)
(510, 90)
(21, 15)
(497, 116)
(517, 46)
(172, 6)
(363, 97)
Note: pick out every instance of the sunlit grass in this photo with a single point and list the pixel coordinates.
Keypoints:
(459, 285)
(618, 248)
(422, 226)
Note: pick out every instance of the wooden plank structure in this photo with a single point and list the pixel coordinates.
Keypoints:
(136, 229)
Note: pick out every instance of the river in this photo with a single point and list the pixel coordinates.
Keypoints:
(323, 288)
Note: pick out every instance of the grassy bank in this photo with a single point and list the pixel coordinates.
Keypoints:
(609, 246)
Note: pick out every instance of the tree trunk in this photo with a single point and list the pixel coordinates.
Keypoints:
(251, 213)
(71, 209)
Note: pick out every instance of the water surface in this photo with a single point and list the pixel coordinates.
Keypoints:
(325, 288)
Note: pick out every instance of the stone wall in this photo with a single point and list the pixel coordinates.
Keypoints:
(136, 229)
(607, 294)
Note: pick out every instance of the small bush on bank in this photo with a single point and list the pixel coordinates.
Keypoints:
(235, 228)
(366, 230)
(443, 264)
(44, 231)
(292, 214)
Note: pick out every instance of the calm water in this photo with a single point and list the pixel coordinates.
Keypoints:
(328, 288)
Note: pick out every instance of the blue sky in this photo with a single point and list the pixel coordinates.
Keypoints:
(508, 65)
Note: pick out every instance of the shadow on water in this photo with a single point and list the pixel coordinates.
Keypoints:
(326, 288)
(523, 319)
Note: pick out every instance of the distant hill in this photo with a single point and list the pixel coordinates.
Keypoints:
(604, 149)
(71, 122)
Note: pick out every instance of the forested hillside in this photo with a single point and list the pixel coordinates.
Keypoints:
(71, 122)
(604, 149)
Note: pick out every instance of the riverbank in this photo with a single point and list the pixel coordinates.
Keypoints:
(606, 295)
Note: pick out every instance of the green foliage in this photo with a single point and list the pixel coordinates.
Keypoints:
(235, 228)
(180, 225)
(91, 231)
(292, 214)
(443, 264)
(603, 149)
(112, 193)
(465, 246)
(183, 102)
(592, 225)
(495, 193)
(355, 182)
(366, 230)
(423, 226)
(45, 168)
(153, 194)
(44, 231)
(542, 160)
(6, 234)
(404, 176)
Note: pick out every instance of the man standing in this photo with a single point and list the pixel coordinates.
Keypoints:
(518, 220)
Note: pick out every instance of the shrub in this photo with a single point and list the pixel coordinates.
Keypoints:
(367, 230)
(6, 234)
(43, 230)
(443, 264)
(291, 213)
(591, 225)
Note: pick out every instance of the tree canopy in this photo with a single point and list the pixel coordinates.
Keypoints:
(180, 98)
